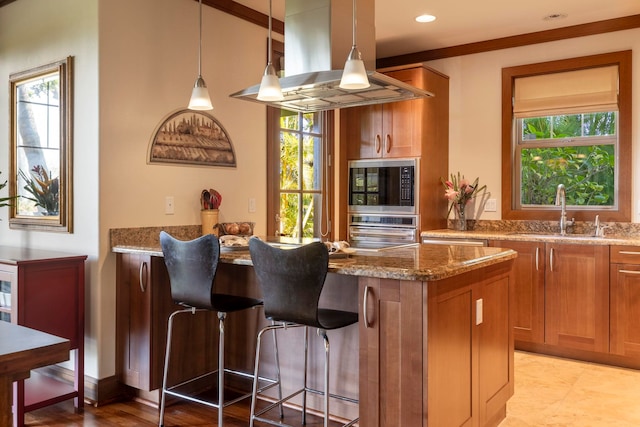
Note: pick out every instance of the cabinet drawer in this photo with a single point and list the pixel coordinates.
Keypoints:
(625, 254)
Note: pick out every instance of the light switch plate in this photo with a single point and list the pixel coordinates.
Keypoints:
(169, 206)
(490, 205)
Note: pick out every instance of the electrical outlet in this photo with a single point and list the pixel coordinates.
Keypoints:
(490, 205)
(252, 205)
(169, 205)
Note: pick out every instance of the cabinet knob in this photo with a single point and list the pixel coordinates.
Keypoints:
(378, 144)
(387, 143)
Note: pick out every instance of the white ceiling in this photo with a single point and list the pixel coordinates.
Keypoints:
(467, 21)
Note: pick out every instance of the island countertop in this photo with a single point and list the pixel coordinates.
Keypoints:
(419, 262)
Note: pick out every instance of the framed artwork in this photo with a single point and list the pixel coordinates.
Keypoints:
(191, 137)
(41, 147)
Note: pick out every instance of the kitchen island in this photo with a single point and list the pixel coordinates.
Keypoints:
(433, 347)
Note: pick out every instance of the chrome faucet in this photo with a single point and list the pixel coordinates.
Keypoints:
(599, 227)
(561, 200)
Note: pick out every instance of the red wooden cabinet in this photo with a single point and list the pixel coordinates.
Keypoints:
(44, 290)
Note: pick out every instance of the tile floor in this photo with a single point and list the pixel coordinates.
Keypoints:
(550, 391)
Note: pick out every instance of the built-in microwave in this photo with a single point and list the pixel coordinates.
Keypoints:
(383, 185)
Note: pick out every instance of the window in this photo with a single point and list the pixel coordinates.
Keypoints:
(300, 174)
(41, 147)
(568, 123)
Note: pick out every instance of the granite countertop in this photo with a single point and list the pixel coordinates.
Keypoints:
(419, 262)
(626, 237)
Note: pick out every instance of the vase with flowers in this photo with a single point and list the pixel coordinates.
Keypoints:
(459, 191)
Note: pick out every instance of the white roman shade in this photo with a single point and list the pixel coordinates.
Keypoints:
(580, 91)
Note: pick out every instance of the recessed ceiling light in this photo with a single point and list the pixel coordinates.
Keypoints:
(555, 16)
(425, 18)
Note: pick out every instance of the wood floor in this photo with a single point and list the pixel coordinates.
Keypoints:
(130, 414)
(549, 391)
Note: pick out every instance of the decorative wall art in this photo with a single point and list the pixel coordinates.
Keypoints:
(191, 137)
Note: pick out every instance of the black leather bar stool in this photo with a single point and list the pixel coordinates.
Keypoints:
(192, 267)
(291, 281)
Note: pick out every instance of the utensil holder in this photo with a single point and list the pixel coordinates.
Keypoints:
(209, 221)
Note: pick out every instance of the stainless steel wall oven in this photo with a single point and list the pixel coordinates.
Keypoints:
(383, 202)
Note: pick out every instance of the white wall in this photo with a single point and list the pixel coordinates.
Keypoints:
(475, 104)
(148, 65)
(136, 62)
(34, 33)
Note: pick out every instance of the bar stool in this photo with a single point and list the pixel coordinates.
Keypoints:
(192, 267)
(291, 281)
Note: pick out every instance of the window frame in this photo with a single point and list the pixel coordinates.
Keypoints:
(623, 158)
(273, 175)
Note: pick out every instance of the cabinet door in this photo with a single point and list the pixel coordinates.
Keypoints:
(402, 121)
(391, 361)
(133, 321)
(363, 126)
(577, 296)
(495, 348)
(529, 290)
(451, 357)
(625, 310)
(399, 129)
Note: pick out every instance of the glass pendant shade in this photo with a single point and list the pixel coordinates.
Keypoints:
(354, 75)
(270, 89)
(200, 99)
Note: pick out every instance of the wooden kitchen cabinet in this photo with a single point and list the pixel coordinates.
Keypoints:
(528, 325)
(470, 348)
(416, 129)
(391, 341)
(625, 301)
(401, 129)
(577, 296)
(562, 295)
(441, 348)
(44, 290)
(143, 307)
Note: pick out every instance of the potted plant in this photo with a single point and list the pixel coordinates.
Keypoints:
(6, 201)
(43, 188)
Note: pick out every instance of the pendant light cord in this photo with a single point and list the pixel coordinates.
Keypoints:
(354, 23)
(200, 43)
(269, 44)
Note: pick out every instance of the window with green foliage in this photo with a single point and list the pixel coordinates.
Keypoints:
(300, 177)
(577, 150)
(568, 122)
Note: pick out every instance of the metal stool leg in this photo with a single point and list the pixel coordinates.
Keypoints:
(325, 339)
(304, 375)
(278, 378)
(221, 318)
(167, 353)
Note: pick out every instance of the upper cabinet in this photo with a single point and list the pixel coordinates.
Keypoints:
(400, 129)
(417, 128)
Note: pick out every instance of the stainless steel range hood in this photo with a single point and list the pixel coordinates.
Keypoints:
(318, 40)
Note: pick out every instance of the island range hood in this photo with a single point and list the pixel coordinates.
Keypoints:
(318, 40)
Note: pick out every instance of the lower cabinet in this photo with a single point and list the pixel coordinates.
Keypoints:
(562, 295)
(391, 342)
(437, 353)
(143, 307)
(625, 301)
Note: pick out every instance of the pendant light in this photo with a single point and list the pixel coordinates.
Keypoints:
(354, 75)
(200, 96)
(270, 89)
